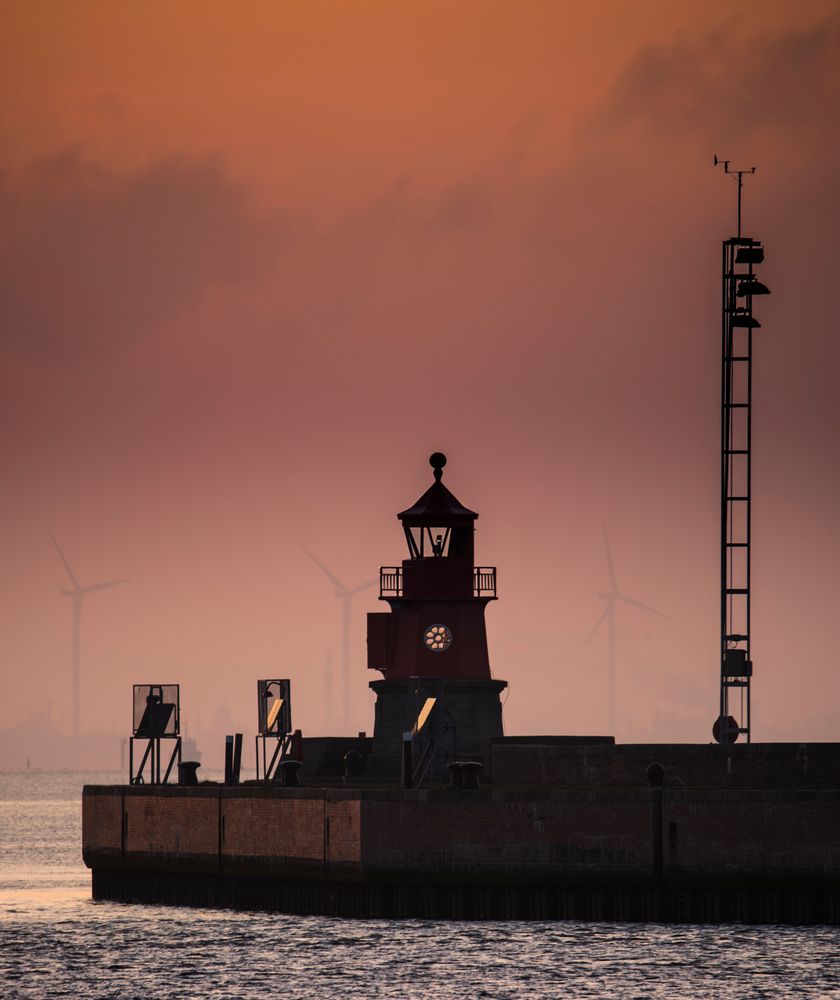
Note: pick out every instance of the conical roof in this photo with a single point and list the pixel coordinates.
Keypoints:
(438, 506)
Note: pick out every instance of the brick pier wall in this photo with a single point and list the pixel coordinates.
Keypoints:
(675, 853)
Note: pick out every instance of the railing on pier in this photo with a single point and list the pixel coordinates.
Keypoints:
(391, 581)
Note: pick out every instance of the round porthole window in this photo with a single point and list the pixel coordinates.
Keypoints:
(437, 638)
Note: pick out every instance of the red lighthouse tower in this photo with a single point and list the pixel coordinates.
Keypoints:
(433, 641)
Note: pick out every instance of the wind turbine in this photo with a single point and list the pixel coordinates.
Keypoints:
(328, 690)
(346, 594)
(612, 597)
(77, 594)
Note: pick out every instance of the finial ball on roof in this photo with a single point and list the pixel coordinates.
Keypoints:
(437, 460)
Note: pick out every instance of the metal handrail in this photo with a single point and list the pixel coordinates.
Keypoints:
(484, 581)
(391, 581)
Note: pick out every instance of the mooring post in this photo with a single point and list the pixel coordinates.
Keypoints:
(407, 772)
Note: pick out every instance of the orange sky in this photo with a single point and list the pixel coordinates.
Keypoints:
(258, 261)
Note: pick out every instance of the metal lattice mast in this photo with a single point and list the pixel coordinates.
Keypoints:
(739, 283)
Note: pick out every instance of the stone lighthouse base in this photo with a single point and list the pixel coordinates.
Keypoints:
(466, 717)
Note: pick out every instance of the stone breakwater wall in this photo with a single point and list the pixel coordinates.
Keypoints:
(682, 854)
(530, 761)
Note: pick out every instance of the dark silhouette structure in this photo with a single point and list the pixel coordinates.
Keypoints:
(432, 644)
(441, 816)
(437, 596)
(274, 725)
(156, 721)
(739, 284)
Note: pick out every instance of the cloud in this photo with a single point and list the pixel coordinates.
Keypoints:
(463, 207)
(728, 84)
(91, 261)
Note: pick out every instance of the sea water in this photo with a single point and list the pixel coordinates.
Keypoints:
(56, 942)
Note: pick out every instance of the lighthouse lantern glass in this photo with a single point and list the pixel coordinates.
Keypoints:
(427, 541)
(437, 541)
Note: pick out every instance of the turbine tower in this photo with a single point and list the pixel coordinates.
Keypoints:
(612, 597)
(328, 690)
(77, 594)
(346, 594)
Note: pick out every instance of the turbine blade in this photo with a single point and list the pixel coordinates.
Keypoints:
(603, 615)
(610, 567)
(70, 572)
(103, 586)
(336, 582)
(638, 604)
(363, 586)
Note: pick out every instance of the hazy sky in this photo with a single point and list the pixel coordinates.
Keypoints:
(258, 260)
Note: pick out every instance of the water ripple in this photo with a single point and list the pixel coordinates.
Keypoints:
(56, 942)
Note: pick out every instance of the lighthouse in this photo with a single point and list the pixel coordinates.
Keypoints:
(431, 646)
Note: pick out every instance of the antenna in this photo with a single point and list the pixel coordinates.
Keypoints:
(739, 174)
(740, 285)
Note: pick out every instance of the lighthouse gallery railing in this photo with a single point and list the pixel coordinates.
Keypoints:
(391, 581)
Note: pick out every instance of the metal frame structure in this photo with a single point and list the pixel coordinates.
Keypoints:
(282, 746)
(154, 757)
(739, 283)
(161, 721)
(273, 726)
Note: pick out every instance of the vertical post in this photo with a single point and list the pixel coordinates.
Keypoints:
(407, 773)
(228, 759)
(726, 353)
(78, 596)
(237, 758)
(737, 323)
(746, 721)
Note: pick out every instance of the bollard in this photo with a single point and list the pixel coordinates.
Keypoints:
(656, 775)
(289, 768)
(352, 764)
(187, 772)
(470, 770)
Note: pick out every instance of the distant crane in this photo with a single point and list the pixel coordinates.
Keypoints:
(612, 597)
(77, 594)
(346, 594)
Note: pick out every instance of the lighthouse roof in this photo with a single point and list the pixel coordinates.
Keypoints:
(437, 506)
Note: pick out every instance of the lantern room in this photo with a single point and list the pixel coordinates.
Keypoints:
(439, 533)
(438, 525)
(437, 595)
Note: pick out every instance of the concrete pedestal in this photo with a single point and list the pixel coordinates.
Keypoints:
(466, 717)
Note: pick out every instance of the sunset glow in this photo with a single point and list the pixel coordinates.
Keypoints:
(258, 261)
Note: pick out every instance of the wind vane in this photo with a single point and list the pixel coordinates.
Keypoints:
(740, 176)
